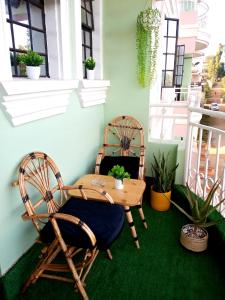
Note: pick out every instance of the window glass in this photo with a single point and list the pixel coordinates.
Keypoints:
(169, 78)
(88, 6)
(172, 28)
(83, 16)
(170, 62)
(36, 17)
(89, 19)
(19, 13)
(171, 46)
(22, 37)
(88, 38)
(181, 60)
(38, 41)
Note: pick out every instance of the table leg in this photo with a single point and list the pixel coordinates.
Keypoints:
(131, 225)
(141, 213)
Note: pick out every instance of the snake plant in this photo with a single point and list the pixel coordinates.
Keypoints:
(163, 174)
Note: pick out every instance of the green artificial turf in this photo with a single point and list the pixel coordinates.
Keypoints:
(160, 270)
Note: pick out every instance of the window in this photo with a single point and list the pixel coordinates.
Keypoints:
(169, 52)
(26, 29)
(179, 65)
(87, 21)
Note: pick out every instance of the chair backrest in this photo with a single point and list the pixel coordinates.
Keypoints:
(123, 145)
(41, 185)
(124, 136)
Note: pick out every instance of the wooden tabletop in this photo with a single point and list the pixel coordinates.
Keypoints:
(130, 195)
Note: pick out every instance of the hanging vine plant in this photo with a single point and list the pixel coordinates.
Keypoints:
(147, 42)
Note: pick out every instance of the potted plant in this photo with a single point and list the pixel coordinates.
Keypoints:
(119, 173)
(147, 42)
(194, 236)
(32, 60)
(90, 65)
(163, 179)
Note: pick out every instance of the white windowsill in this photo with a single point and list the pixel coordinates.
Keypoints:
(27, 100)
(93, 92)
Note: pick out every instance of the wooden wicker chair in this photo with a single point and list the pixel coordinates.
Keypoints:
(123, 145)
(74, 227)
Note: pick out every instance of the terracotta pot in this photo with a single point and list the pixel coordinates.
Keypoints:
(160, 201)
(194, 238)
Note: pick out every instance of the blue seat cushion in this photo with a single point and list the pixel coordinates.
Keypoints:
(130, 164)
(105, 220)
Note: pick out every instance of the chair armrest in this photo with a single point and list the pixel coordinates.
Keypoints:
(53, 216)
(85, 191)
(100, 155)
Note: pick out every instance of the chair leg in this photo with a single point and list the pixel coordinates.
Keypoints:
(51, 253)
(141, 213)
(109, 253)
(131, 224)
(89, 266)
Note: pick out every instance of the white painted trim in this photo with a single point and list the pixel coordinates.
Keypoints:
(93, 92)
(29, 100)
(25, 86)
(5, 70)
(77, 37)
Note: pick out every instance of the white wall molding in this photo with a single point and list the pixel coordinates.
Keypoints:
(25, 101)
(93, 92)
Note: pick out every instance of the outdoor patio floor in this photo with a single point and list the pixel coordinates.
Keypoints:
(160, 269)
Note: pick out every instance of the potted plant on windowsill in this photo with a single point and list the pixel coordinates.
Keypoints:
(32, 60)
(194, 236)
(119, 173)
(90, 66)
(163, 179)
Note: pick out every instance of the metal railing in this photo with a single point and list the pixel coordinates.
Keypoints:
(179, 121)
(205, 156)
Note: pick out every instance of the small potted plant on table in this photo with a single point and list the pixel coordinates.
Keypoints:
(119, 173)
(32, 60)
(90, 66)
(163, 179)
(194, 236)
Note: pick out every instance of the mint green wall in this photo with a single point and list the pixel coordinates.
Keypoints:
(72, 139)
(187, 71)
(126, 96)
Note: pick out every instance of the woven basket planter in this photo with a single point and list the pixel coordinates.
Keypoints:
(192, 239)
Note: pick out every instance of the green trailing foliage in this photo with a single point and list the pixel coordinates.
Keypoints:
(118, 172)
(147, 42)
(200, 212)
(163, 174)
(89, 63)
(31, 58)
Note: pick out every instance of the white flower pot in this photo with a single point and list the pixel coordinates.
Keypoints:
(90, 74)
(118, 184)
(33, 72)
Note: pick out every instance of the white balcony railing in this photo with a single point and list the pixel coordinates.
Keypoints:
(205, 156)
(179, 122)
